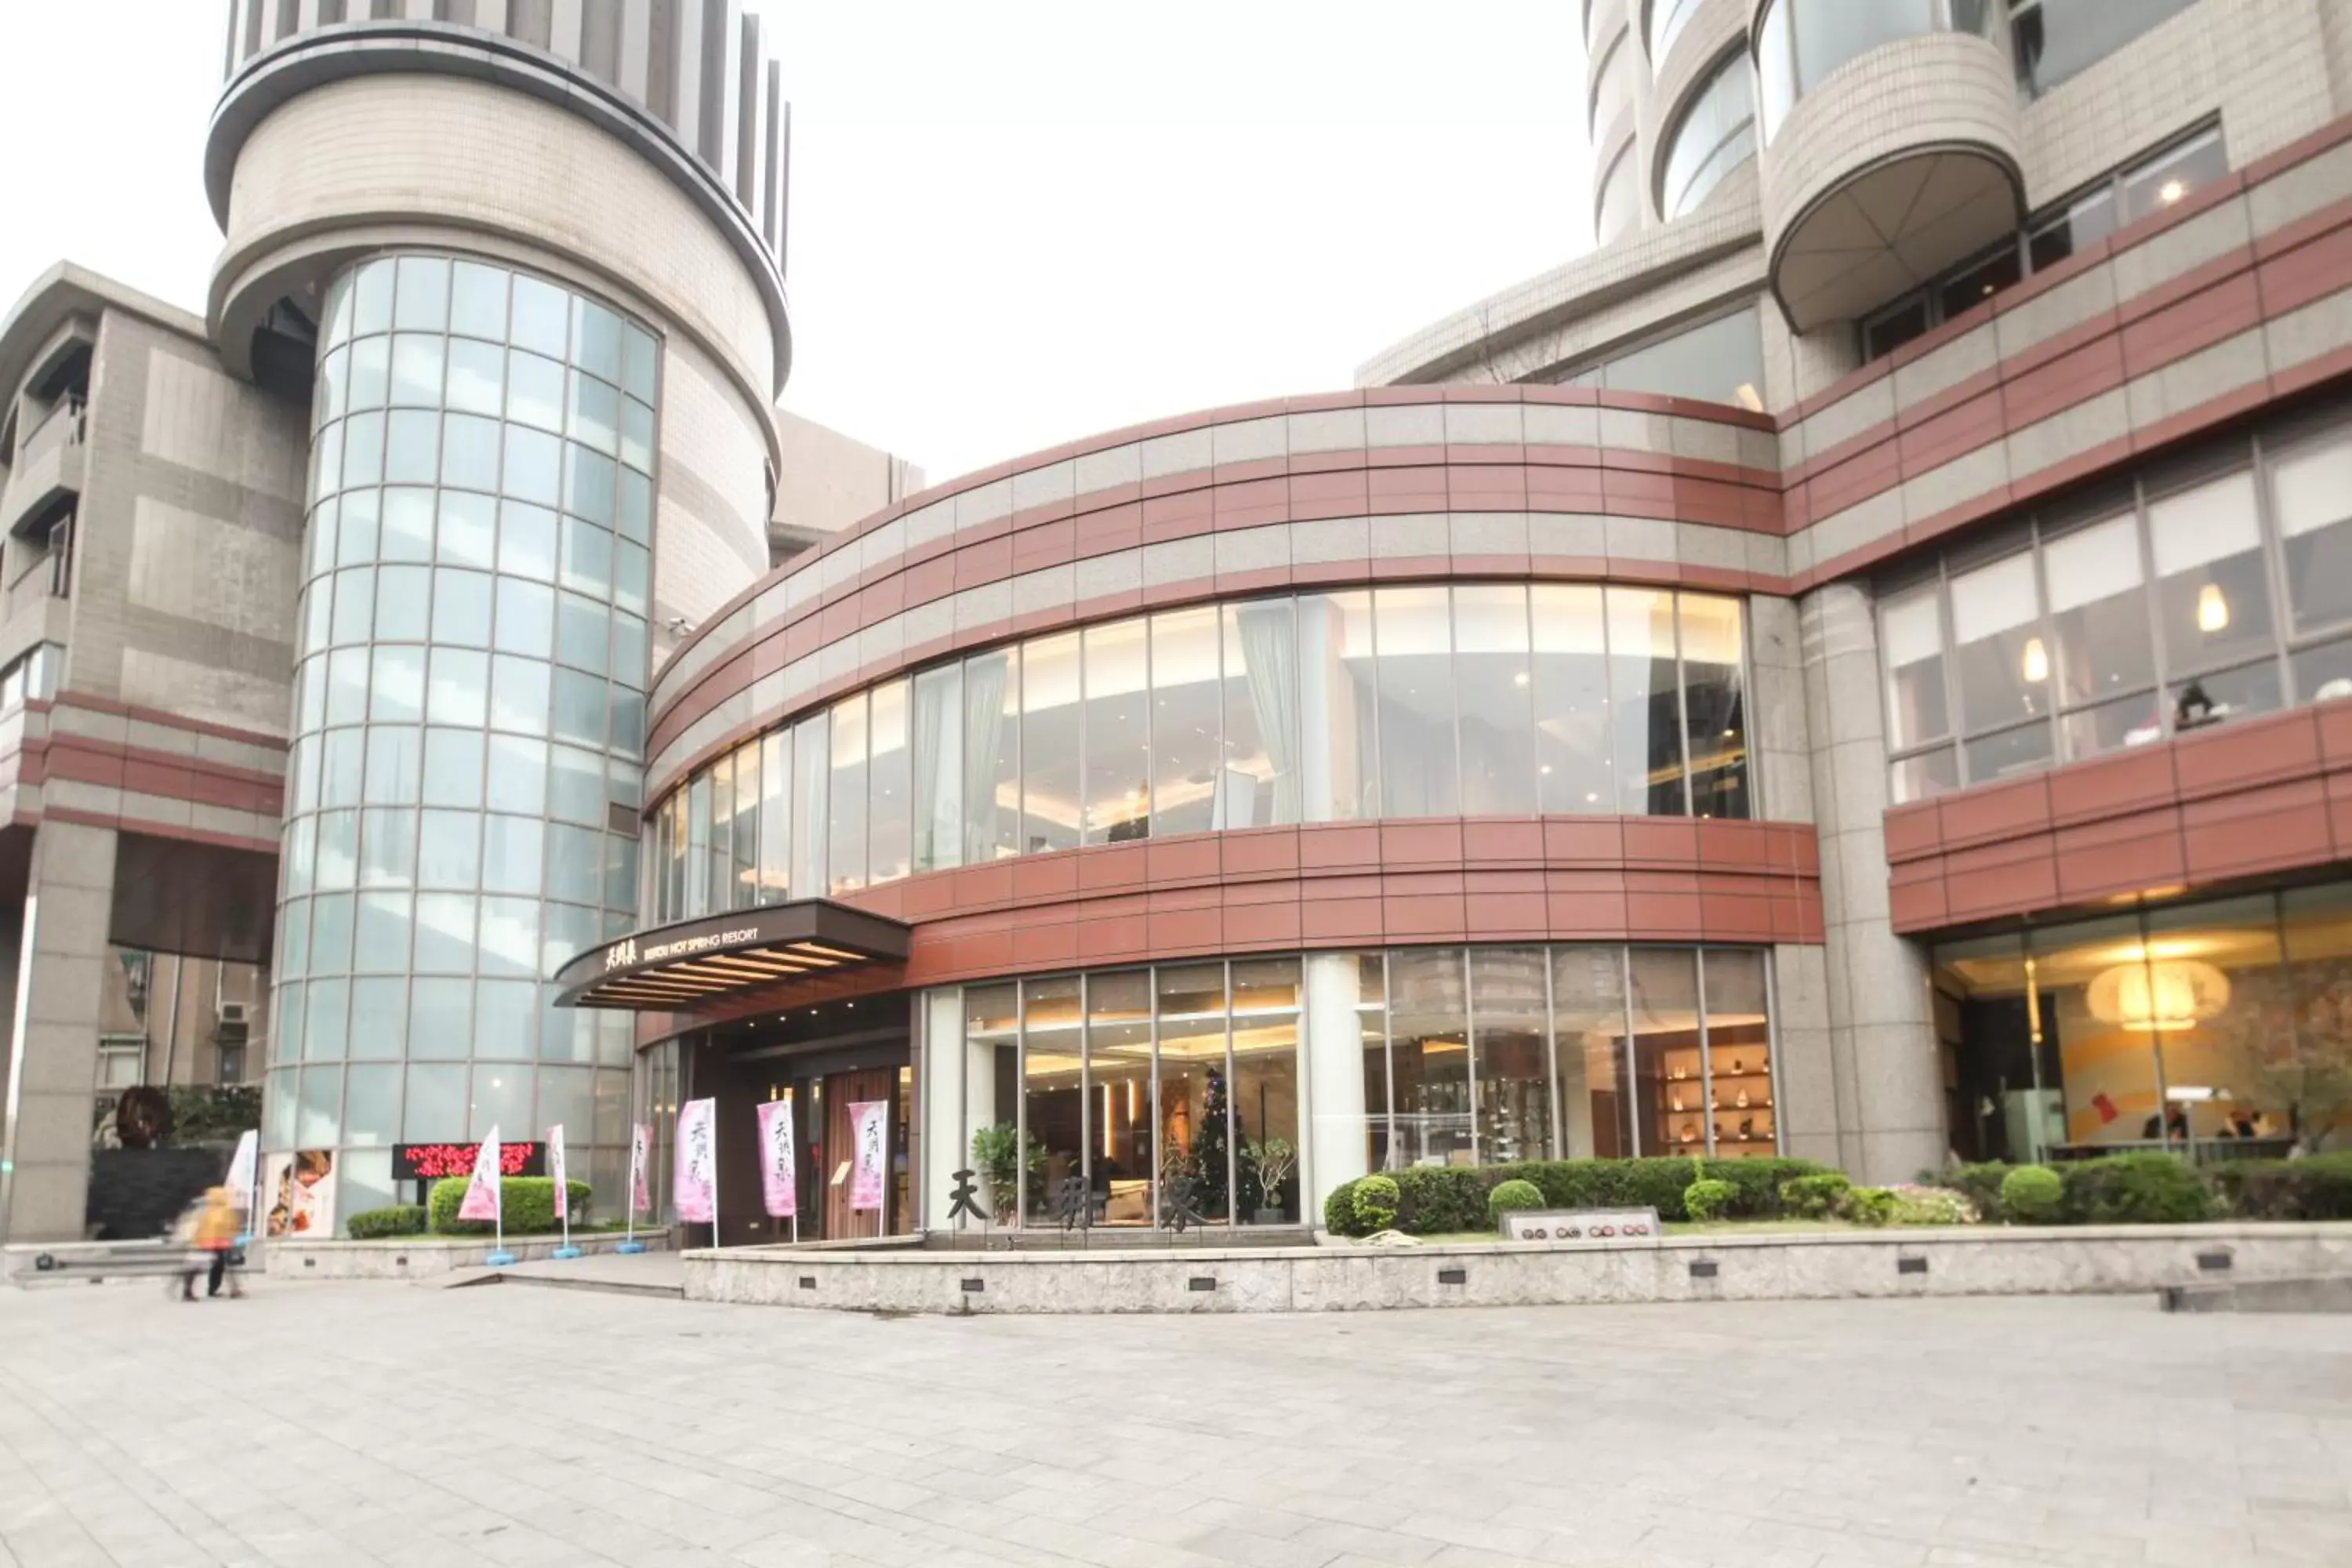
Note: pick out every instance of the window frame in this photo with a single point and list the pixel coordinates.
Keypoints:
(1928, 297)
(2256, 455)
(1704, 83)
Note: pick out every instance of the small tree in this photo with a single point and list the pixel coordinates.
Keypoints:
(2296, 1045)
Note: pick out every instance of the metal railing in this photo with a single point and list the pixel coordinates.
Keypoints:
(60, 427)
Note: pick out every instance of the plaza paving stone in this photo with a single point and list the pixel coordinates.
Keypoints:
(328, 1423)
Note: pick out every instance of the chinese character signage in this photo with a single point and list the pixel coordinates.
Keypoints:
(869, 1128)
(697, 1177)
(779, 1173)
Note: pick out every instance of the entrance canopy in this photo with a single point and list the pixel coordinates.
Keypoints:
(676, 968)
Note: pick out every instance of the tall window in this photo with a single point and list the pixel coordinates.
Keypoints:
(1715, 134)
(2202, 594)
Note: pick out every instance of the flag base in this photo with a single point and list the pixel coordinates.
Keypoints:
(565, 1252)
(499, 1259)
(631, 1248)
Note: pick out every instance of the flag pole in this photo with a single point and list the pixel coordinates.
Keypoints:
(631, 1244)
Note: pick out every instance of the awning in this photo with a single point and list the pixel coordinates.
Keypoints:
(676, 967)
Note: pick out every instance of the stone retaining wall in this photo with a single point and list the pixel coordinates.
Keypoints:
(421, 1256)
(1730, 1268)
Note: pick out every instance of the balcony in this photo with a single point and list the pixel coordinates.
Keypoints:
(1889, 157)
(46, 479)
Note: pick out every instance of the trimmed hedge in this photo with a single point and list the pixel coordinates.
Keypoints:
(1814, 1197)
(375, 1225)
(2133, 1189)
(527, 1201)
(1872, 1207)
(1981, 1182)
(1707, 1198)
(1437, 1199)
(2318, 1187)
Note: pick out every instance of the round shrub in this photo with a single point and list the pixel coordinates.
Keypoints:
(1871, 1206)
(1814, 1197)
(527, 1201)
(2031, 1194)
(1376, 1199)
(1339, 1210)
(1916, 1205)
(1708, 1198)
(1512, 1195)
(374, 1225)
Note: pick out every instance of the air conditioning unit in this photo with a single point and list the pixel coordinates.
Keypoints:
(232, 1011)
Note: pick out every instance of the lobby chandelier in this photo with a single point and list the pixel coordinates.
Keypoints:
(2161, 996)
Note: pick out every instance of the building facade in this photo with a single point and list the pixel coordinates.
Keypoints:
(1846, 669)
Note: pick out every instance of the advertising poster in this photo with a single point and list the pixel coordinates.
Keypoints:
(483, 1192)
(303, 1194)
(870, 1125)
(641, 1153)
(779, 1176)
(697, 1177)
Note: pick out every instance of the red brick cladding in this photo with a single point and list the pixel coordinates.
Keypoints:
(1338, 884)
(2262, 795)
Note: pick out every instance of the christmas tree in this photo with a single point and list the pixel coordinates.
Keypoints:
(1211, 1145)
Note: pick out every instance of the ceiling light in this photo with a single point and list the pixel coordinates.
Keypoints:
(2212, 609)
(2171, 190)
(2035, 667)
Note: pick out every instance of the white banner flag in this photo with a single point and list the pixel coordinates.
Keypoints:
(243, 1167)
(555, 1168)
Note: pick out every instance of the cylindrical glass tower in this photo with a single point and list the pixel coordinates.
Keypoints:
(462, 798)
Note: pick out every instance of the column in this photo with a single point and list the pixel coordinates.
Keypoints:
(1886, 1070)
(1335, 1151)
(53, 1056)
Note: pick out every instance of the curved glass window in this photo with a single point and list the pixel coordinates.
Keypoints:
(1714, 136)
(1612, 83)
(1243, 1090)
(1801, 42)
(441, 653)
(1667, 19)
(1618, 208)
(1721, 361)
(1488, 699)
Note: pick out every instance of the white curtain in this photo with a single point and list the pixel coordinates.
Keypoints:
(939, 769)
(983, 735)
(1270, 664)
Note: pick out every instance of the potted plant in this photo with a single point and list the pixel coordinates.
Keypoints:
(996, 1152)
(1272, 1160)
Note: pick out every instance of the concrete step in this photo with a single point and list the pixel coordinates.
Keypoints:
(2331, 1293)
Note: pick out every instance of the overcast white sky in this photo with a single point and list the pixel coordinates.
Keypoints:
(1012, 222)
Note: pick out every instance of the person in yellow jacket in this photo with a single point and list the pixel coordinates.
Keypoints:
(216, 1237)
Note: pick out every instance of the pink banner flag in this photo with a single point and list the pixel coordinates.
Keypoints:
(869, 1119)
(779, 1171)
(696, 1178)
(482, 1192)
(641, 1154)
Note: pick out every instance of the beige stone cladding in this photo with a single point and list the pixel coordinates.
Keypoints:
(2272, 70)
(53, 1056)
(188, 543)
(710, 507)
(375, 163)
(828, 481)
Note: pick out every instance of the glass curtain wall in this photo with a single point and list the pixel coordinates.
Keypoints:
(469, 718)
(1120, 1097)
(2221, 1028)
(1474, 699)
(2192, 596)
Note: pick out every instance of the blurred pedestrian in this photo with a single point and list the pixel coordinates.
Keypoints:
(217, 1228)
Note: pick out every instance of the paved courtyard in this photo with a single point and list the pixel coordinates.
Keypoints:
(394, 1423)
